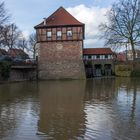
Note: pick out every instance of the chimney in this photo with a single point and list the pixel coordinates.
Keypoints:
(44, 21)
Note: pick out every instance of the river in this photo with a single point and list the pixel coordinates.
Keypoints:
(99, 109)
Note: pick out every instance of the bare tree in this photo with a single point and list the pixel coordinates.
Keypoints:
(4, 17)
(1, 36)
(10, 34)
(22, 42)
(123, 25)
(32, 44)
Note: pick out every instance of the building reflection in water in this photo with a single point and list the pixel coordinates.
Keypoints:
(112, 109)
(127, 108)
(100, 89)
(93, 109)
(62, 113)
(100, 109)
(98, 99)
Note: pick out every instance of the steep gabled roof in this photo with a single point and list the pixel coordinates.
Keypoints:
(60, 18)
(96, 51)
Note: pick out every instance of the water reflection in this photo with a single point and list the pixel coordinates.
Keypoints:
(112, 108)
(18, 109)
(100, 90)
(127, 107)
(99, 95)
(99, 109)
(62, 113)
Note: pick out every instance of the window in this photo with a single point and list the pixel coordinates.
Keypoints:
(59, 33)
(98, 56)
(69, 33)
(106, 56)
(89, 57)
(49, 34)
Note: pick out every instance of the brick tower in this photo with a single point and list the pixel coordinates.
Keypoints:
(60, 45)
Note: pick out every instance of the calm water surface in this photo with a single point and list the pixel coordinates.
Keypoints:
(99, 109)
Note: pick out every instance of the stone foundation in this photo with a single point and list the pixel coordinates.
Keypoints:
(20, 75)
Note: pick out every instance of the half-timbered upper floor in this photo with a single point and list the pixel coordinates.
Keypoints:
(60, 26)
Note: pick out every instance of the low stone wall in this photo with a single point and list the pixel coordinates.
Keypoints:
(123, 70)
(128, 69)
(20, 75)
(136, 69)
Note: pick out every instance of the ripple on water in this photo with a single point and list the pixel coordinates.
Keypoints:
(69, 110)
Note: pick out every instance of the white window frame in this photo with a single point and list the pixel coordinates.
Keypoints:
(69, 33)
(59, 33)
(49, 34)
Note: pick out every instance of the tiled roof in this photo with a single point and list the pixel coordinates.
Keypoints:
(16, 52)
(60, 18)
(95, 51)
(3, 52)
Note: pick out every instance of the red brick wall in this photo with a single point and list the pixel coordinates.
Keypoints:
(60, 60)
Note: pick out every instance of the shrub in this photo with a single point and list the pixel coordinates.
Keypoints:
(5, 68)
(135, 73)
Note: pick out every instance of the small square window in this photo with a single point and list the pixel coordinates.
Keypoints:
(49, 34)
(106, 56)
(69, 33)
(89, 57)
(59, 33)
(98, 56)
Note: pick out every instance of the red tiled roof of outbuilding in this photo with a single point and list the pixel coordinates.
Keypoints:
(16, 52)
(3, 52)
(96, 51)
(60, 17)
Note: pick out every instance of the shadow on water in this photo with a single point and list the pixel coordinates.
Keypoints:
(102, 109)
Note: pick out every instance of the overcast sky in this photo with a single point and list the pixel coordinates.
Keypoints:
(28, 13)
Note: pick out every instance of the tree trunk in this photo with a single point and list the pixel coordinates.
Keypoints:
(133, 50)
(126, 54)
(34, 51)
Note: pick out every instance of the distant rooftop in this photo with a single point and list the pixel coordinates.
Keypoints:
(60, 17)
(14, 52)
(96, 51)
(3, 52)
